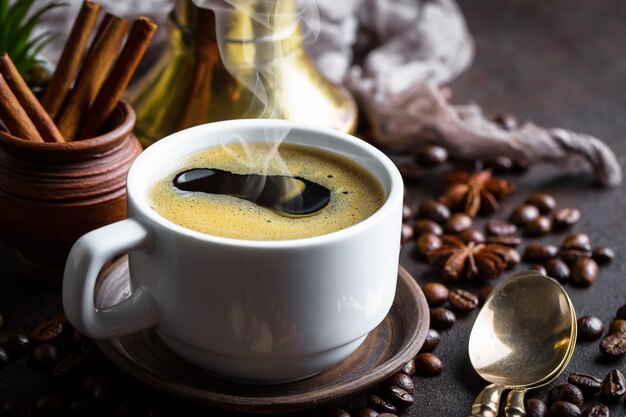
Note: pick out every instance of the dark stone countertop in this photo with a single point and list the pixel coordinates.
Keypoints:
(558, 63)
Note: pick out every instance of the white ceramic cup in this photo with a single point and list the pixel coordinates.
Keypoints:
(253, 311)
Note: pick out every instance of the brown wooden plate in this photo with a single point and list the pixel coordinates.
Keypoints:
(394, 342)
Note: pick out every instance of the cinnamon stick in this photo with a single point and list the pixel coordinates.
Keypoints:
(93, 72)
(14, 116)
(42, 121)
(138, 39)
(70, 58)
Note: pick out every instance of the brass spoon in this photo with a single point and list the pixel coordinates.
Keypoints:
(523, 338)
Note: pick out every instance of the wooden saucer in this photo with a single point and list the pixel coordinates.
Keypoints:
(385, 350)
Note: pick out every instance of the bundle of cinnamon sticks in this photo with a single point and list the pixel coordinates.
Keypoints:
(86, 85)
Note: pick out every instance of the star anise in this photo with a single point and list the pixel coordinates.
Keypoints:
(458, 260)
(473, 193)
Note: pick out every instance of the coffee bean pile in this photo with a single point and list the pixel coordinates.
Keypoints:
(613, 346)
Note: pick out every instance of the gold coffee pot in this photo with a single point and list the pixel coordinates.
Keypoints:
(233, 62)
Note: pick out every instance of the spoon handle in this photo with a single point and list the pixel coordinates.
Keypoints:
(514, 406)
(487, 402)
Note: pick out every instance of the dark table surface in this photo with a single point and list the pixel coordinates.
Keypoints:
(557, 63)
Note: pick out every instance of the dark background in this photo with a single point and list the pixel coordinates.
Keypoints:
(557, 63)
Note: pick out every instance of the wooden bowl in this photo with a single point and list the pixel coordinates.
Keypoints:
(52, 193)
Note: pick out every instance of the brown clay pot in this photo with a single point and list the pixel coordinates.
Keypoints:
(53, 193)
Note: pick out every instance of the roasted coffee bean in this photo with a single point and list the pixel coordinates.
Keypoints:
(621, 312)
(436, 293)
(410, 172)
(387, 415)
(614, 385)
(427, 364)
(406, 233)
(510, 241)
(400, 380)
(431, 155)
(566, 217)
(4, 358)
(426, 243)
(570, 256)
(484, 293)
(540, 226)
(613, 346)
(338, 412)
(602, 255)
(500, 228)
(557, 269)
(587, 383)
(50, 405)
(46, 356)
(441, 318)
(422, 226)
(544, 202)
(400, 397)
(431, 341)
(577, 241)
(472, 235)
(563, 409)
(409, 367)
(524, 214)
(15, 343)
(536, 408)
(521, 166)
(366, 412)
(617, 325)
(506, 121)
(513, 257)
(589, 328)
(457, 223)
(380, 405)
(462, 300)
(407, 213)
(540, 252)
(598, 410)
(566, 392)
(433, 210)
(46, 331)
(70, 364)
(584, 272)
(539, 268)
(84, 407)
(500, 164)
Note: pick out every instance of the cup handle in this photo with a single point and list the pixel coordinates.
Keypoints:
(87, 256)
(487, 402)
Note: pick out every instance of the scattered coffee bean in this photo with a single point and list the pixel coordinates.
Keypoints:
(587, 383)
(436, 293)
(589, 328)
(621, 312)
(613, 346)
(422, 226)
(433, 210)
(4, 358)
(406, 233)
(513, 257)
(387, 415)
(563, 409)
(441, 318)
(400, 397)
(410, 171)
(426, 243)
(544, 202)
(462, 300)
(598, 410)
(506, 121)
(500, 228)
(540, 252)
(407, 213)
(50, 405)
(500, 164)
(524, 214)
(614, 385)
(484, 293)
(536, 408)
(70, 364)
(511, 241)
(540, 226)
(376, 403)
(557, 269)
(472, 235)
(539, 268)
(617, 325)
(427, 364)
(15, 343)
(366, 412)
(338, 412)
(570, 256)
(566, 217)
(603, 255)
(457, 223)
(431, 156)
(577, 241)
(46, 356)
(431, 341)
(584, 272)
(409, 367)
(566, 392)
(400, 380)
(46, 331)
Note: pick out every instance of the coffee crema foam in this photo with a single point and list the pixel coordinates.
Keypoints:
(355, 194)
